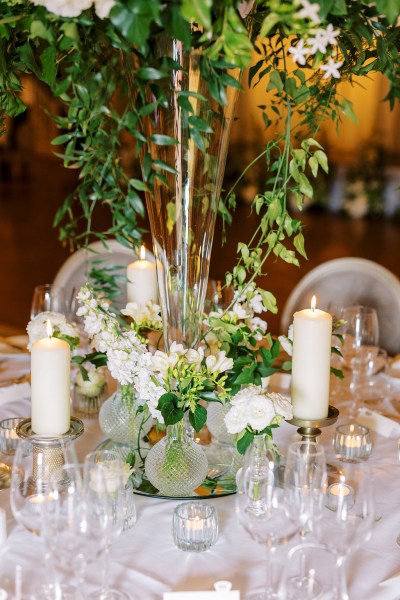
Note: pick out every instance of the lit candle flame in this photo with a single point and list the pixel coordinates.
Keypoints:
(313, 302)
(142, 253)
(49, 328)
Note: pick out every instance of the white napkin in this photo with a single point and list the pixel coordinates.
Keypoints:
(377, 422)
(17, 391)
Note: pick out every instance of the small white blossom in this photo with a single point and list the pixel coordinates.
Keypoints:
(256, 324)
(331, 69)
(299, 53)
(144, 315)
(310, 10)
(195, 357)
(94, 385)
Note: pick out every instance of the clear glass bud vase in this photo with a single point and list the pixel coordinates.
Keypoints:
(176, 465)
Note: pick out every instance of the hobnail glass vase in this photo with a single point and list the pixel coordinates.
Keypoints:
(176, 465)
(119, 419)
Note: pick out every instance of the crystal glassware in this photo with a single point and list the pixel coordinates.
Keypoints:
(267, 513)
(8, 446)
(48, 297)
(105, 479)
(195, 526)
(305, 479)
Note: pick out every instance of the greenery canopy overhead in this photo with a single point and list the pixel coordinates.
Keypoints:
(298, 51)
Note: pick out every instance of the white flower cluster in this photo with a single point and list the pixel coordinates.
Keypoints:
(144, 315)
(126, 355)
(319, 42)
(93, 386)
(37, 327)
(73, 8)
(251, 407)
(287, 341)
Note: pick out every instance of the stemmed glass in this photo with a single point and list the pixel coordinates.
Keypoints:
(70, 529)
(267, 514)
(105, 478)
(348, 515)
(361, 338)
(48, 297)
(305, 482)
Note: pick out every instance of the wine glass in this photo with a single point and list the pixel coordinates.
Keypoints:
(34, 465)
(48, 297)
(361, 338)
(267, 513)
(105, 479)
(70, 528)
(305, 481)
(348, 515)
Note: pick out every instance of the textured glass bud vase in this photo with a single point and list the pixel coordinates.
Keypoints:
(121, 423)
(176, 465)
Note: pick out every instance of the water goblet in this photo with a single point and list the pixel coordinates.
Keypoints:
(348, 515)
(361, 337)
(268, 515)
(105, 480)
(305, 480)
(48, 297)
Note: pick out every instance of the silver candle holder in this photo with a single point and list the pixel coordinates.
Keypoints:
(310, 429)
(48, 453)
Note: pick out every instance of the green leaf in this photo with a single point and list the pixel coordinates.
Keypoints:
(198, 418)
(305, 186)
(39, 30)
(198, 11)
(348, 111)
(168, 405)
(322, 160)
(163, 140)
(269, 301)
(298, 243)
(390, 8)
(244, 442)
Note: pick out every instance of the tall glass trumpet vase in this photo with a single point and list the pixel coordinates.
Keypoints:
(189, 152)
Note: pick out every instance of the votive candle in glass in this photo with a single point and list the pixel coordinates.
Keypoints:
(195, 526)
(352, 442)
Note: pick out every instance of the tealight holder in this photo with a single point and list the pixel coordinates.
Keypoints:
(310, 429)
(338, 496)
(8, 435)
(352, 442)
(48, 453)
(195, 526)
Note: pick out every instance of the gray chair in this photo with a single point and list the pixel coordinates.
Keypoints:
(347, 281)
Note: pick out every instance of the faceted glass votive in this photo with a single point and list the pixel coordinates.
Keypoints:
(195, 526)
(8, 435)
(352, 442)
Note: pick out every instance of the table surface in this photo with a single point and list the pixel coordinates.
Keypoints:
(145, 562)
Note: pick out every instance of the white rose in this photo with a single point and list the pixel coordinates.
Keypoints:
(282, 405)
(236, 419)
(260, 412)
(219, 363)
(103, 7)
(65, 8)
(94, 385)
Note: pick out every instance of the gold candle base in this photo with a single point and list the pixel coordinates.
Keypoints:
(310, 429)
(48, 453)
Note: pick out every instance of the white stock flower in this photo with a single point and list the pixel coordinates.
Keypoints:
(103, 8)
(37, 327)
(256, 324)
(144, 314)
(331, 69)
(65, 8)
(218, 363)
(212, 343)
(160, 363)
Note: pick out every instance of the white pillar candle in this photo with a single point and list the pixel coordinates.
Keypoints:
(312, 334)
(50, 386)
(142, 280)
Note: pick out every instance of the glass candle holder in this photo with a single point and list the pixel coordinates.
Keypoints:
(195, 526)
(352, 442)
(8, 435)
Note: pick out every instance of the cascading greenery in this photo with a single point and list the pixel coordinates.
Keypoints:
(86, 61)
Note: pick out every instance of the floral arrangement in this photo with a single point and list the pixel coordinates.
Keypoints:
(61, 328)
(167, 384)
(255, 411)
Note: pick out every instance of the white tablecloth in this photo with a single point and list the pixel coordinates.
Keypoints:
(146, 563)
